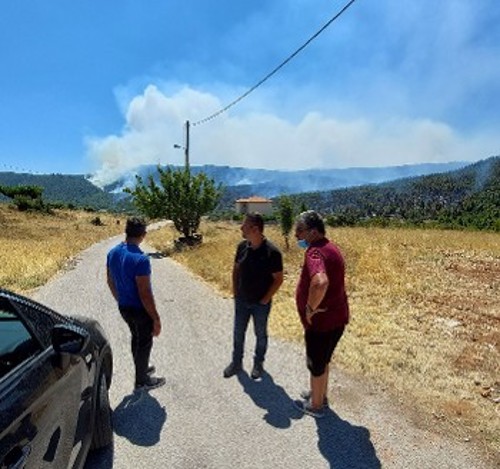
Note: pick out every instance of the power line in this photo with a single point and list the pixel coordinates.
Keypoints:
(281, 65)
(16, 169)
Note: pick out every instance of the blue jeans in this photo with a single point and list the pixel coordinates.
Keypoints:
(242, 313)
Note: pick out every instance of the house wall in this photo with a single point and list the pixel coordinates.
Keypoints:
(264, 208)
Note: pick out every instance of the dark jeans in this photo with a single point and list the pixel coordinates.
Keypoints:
(141, 328)
(242, 313)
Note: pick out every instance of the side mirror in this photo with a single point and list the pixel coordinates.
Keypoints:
(67, 338)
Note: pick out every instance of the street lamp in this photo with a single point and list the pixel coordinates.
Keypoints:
(185, 147)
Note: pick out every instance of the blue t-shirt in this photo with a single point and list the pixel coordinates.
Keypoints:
(126, 262)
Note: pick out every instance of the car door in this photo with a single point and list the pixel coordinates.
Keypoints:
(40, 393)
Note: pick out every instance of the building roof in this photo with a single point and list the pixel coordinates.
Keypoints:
(255, 199)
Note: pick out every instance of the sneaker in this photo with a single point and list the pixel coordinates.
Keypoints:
(153, 382)
(257, 371)
(151, 369)
(232, 369)
(306, 407)
(306, 395)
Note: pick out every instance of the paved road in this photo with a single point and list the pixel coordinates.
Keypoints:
(201, 420)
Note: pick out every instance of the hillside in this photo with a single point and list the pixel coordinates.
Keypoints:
(76, 190)
(238, 182)
(467, 197)
(244, 182)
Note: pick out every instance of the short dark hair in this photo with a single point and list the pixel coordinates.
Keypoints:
(136, 227)
(256, 219)
(312, 220)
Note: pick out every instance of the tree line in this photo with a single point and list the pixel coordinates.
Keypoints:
(466, 198)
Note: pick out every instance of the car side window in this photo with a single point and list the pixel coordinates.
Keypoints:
(16, 342)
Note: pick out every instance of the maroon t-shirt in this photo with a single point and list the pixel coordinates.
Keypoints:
(324, 257)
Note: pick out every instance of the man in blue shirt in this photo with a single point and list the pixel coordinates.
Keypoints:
(129, 279)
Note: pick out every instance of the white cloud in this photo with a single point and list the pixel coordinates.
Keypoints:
(154, 122)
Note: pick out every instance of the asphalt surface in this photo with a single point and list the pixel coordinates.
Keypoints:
(201, 420)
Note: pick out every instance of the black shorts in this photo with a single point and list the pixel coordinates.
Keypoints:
(320, 347)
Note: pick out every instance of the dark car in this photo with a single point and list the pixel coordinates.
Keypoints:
(55, 373)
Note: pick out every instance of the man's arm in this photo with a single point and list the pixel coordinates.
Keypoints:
(148, 301)
(111, 285)
(277, 281)
(317, 289)
(235, 277)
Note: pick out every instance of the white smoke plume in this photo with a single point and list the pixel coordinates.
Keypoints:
(154, 122)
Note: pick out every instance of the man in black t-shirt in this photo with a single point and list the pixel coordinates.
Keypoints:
(257, 275)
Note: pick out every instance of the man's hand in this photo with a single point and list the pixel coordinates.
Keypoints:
(148, 301)
(156, 327)
(311, 312)
(277, 281)
(111, 284)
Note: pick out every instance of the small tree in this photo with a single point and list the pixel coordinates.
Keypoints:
(25, 197)
(181, 197)
(286, 218)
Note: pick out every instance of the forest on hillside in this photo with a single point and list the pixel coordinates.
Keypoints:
(69, 190)
(465, 198)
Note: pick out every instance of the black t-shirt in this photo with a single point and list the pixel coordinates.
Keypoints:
(256, 269)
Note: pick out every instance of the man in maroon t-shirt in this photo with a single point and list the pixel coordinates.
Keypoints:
(322, 305)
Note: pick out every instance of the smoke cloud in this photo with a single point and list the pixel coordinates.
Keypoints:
(154, 122)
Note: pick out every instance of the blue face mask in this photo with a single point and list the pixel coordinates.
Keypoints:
(303, 244)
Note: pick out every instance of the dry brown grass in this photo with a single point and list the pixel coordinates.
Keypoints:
(425, 304)
(35, 246)
(425, 314)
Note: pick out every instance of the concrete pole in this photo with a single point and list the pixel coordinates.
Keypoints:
(186, 146)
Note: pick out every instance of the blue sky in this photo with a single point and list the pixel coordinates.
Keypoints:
(102, 87)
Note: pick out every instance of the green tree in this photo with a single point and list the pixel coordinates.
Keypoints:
(180, 196)
(286, 217)
(25, 197)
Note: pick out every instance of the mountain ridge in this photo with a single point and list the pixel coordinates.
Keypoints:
(271, 183)
(460, 195)
(467, 197)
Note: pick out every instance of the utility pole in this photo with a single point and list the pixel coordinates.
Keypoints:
(186, 147)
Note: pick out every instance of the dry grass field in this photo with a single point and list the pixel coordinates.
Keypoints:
(425, 304)
(35, 246)
(425, 315)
